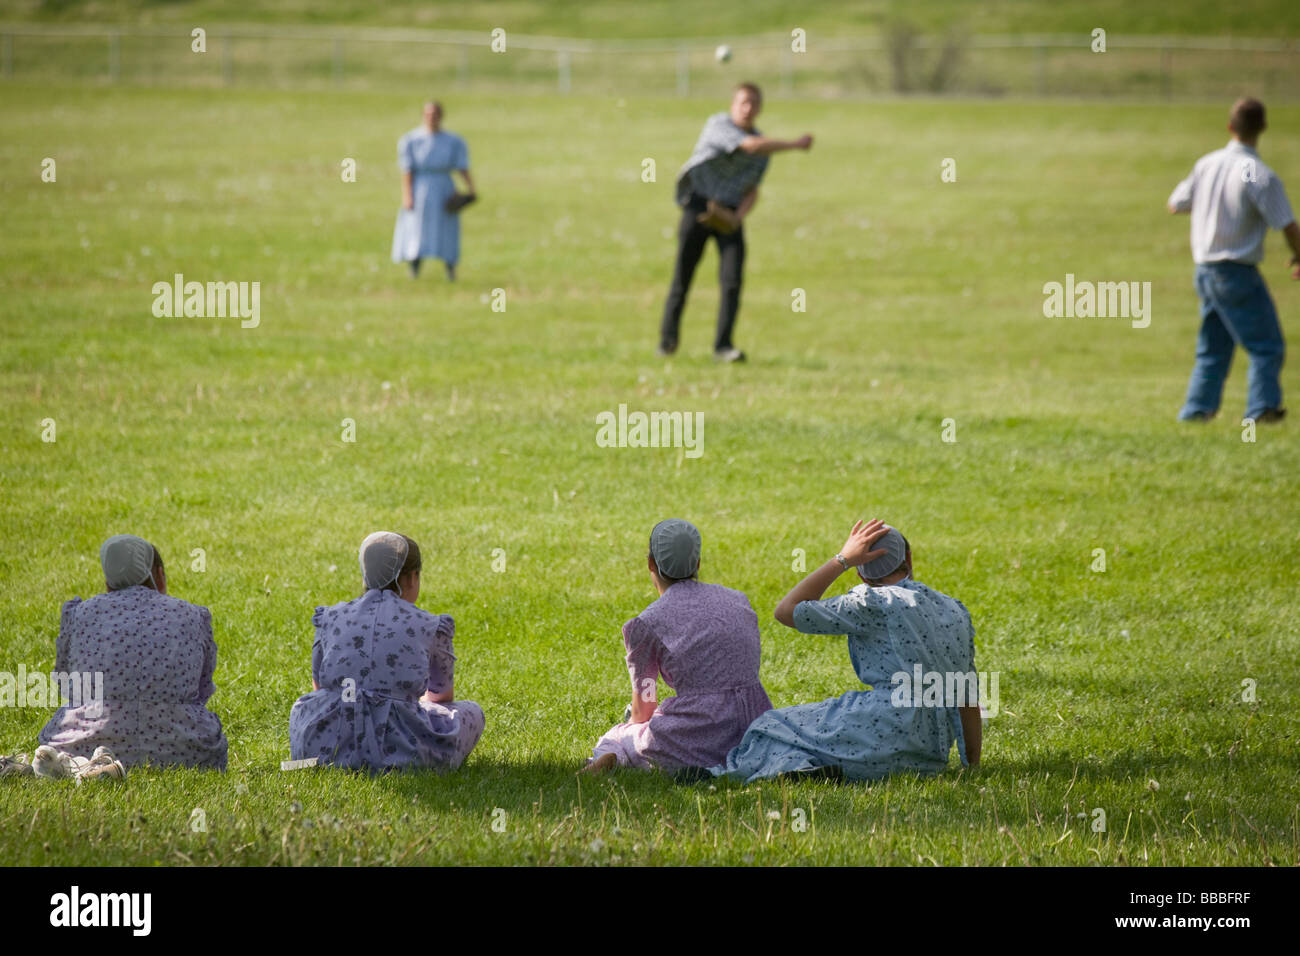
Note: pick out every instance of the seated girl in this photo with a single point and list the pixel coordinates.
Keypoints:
(702, 639)
(894, 625)
(155, 657)
(381, 668)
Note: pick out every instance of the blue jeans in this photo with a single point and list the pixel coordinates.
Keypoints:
(1236, 309)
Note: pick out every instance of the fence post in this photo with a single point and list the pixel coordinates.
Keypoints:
(683, 71)
(114, 57)
(1165, 58)
(338, 61)
(462, 68)
(7, 55)
(227, 60)
(1040, 71)
(562, 62)
(787, 67)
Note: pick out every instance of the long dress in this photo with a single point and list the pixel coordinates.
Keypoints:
(156, 656)
(373, 658)
(703, 640)
(427, 231)
(869, 734)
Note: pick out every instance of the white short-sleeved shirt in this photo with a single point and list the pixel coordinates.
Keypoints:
(1234, 199)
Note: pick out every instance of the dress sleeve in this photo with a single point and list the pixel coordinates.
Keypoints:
(441, 659)
(317, 648)
(851, 613)
(206, 687)
(642, 655)
(63, 643)
(405, 155)
(1181, 198)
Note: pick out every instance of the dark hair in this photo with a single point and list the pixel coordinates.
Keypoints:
(1246, 118)
(412, 563)
(751, 88)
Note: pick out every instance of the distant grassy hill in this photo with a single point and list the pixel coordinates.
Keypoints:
(681, 18)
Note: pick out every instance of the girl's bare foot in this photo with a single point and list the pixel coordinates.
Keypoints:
(601, 764)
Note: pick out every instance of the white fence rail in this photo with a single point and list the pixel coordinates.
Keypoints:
(309, 57)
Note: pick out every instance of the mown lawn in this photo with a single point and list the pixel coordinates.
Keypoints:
(1120, 691)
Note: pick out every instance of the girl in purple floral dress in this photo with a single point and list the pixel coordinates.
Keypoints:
(382, 675)
(152, 655)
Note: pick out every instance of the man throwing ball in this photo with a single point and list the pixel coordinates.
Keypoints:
(1234, 199)
(716, 189)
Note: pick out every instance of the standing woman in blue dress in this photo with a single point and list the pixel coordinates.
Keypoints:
(427, 156)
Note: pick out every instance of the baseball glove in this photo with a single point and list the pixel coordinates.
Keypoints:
(458, 201)
(718, 218)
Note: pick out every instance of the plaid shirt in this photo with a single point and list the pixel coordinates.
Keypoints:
(718, 168)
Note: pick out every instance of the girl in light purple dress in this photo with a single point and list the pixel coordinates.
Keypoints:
(150, 658)
(702, 639)
(382, 675)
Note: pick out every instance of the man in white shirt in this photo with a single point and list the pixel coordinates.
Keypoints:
(1234, 199)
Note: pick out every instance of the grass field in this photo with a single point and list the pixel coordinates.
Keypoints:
(475, 431)
(682, 18)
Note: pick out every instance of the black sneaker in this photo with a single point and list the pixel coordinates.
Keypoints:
(689, 775)
(1198, 417)
(1271, 415)
(666, 350)
(832, 772)
(728, 355)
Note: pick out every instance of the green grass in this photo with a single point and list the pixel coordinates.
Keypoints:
(679, 18)
(476, 431)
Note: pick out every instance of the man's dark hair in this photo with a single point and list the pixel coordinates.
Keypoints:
(1246, 118)
(750, 88)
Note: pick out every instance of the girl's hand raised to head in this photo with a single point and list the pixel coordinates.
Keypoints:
(857, 549)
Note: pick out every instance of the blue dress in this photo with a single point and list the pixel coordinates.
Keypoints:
(867, 733)
(427, 231)
(374, 657)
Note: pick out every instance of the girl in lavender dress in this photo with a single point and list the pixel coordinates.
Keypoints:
(426, 229)
(150, 658)
(382, 694)
(702, 639)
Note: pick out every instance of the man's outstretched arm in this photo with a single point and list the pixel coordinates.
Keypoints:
(766, 145)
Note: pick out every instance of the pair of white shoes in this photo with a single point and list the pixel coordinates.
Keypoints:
(55, 764)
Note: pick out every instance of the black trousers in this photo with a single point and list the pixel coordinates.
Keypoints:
(691, 240)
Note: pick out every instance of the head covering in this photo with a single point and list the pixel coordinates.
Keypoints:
(675, 546)
(382, 556)
(889, 562)
(127, 561)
